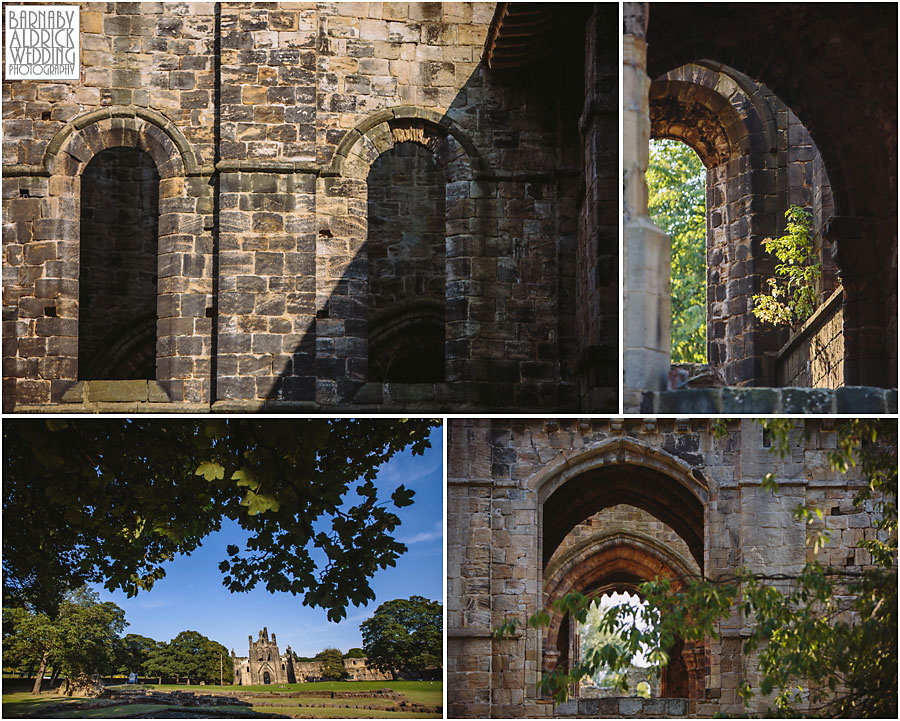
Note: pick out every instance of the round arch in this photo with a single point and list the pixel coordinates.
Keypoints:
(346, 180)
(65, 159)
(74, 144)
(727, 120)
(841, 82)
(404, 123)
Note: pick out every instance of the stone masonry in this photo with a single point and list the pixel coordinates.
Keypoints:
(537, 508)
(286, 137)
(264, 664)
(770, 135)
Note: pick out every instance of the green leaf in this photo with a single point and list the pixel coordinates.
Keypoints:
(210, 471)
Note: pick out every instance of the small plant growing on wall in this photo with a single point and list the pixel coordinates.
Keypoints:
(792, 292)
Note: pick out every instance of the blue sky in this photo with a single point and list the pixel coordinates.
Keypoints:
(192, 598)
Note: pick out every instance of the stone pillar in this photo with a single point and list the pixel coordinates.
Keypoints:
(647, 255)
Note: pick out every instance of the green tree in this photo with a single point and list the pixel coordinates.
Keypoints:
(405, 634)
(355, 653)
(595, 635)
(27, 641)
(332, 661)
(676, 182)
(82, 640)
(192, 657)
(134, 650)
(112, 500)
(828, 633)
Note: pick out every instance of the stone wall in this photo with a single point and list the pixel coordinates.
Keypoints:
(814, 356)
(356, 668)
(516, 488)
(264, 122)
(753, 124)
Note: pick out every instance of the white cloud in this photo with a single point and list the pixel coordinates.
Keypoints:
(425, 536)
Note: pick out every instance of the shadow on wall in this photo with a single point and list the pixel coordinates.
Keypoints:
(445, 246)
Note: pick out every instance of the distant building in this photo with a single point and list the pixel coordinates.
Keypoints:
(264, 665)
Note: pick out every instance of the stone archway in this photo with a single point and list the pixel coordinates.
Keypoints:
(582, 484)
(759, 159)
(67, 156)
(850, 115)
(369, 322)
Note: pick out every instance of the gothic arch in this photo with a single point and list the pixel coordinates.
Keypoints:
(575, 486)
(615, 562)
(620, 450)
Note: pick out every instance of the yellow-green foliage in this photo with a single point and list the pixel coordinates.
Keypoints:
(792, 292)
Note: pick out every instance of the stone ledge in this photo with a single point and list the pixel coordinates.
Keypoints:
(623, 707)
(770, 401)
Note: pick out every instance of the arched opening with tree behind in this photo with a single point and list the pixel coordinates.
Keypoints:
(593, 635)
(119, 266)
(676, 184)
(634, 522)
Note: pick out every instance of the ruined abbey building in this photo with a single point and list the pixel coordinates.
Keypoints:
(538, 508)
(316, 206)
(785, 104)
(264, 664)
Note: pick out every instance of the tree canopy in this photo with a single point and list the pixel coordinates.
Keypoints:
(192, 656)
(826, 637)
(82, 639)
(676, 181)
(404, 634)
(332, 661)
(112, 500)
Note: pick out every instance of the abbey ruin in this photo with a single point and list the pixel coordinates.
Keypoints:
(785, 105)
(537, 508)
(264, 664)
(309, 206)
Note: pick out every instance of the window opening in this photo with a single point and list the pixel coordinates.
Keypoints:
(406, 266)
(676, 184)
(118, 269)
(592, 636)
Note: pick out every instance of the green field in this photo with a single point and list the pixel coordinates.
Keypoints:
(430, 693)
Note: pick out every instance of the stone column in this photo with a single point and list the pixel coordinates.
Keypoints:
(647, 254)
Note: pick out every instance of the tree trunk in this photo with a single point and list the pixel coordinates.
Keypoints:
(40, 675)
(54, 676)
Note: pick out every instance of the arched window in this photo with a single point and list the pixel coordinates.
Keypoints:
(406, 266)
(266, 677)
(118, 269)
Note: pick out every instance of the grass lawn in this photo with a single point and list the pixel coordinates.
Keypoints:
(19, 705)
(123, 711)
(430, 693)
